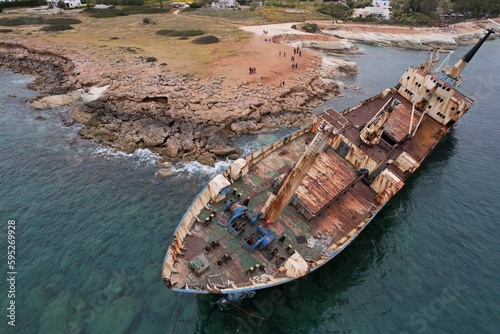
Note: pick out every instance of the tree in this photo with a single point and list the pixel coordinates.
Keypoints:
(426, 7)
(477, 8)
(336, 10)
(60, 4)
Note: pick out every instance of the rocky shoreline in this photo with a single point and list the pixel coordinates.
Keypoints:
(431, 40)
(183, 118)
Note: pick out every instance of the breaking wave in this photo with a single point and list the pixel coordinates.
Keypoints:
(141, 155)
(195, 167)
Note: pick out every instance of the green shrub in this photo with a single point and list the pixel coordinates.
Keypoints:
(107, 13)
(195, 5)
(294, 26)
(412, 19)
(56, 27)
(281, 4)
(335, 10)
(2, 31)
(150, 59)
(62, 20)
(206, 40)
(146, 20)
(127, 10)
(310, 27)
(21, 21)
(180, 33)
(36, 20)
(27, 3)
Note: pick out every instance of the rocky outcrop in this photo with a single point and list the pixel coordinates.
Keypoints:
(426, 41)
(51, 69)
(53, 101)
(340, 47)
(337, 68)
(197, 120)
(164, 173)
(318, 42)
(180, 117)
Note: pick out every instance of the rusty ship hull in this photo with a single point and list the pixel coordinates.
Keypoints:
(289, 208)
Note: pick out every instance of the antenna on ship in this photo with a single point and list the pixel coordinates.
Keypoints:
(431, 61)
(457, 69)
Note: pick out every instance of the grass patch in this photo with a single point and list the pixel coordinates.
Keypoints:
(206, 40)
(264, 15)
(36, 20)
(124, 11)
(62, 20)
(180, 33)
(236, 16)
(56, 27)
(106, 13)
(3, 31)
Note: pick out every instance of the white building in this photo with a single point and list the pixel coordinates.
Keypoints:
(380, 9)
(224, 4)
(67, 3)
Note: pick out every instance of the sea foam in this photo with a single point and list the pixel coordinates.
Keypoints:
(195, 167)
(141, 155)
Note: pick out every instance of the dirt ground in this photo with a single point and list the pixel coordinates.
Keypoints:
(129, 39)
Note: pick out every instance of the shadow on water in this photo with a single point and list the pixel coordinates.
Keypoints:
(303, 304)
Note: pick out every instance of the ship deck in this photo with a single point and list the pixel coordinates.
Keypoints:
(330, 225)
(326, 209)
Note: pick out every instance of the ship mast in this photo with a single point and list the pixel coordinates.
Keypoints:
(457, 69)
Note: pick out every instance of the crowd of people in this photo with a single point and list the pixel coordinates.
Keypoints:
(296, 51)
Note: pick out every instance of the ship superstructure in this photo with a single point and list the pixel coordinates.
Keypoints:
(290, 207)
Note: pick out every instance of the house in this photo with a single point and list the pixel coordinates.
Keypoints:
(67, 3)
(381, 9)
(224, 4)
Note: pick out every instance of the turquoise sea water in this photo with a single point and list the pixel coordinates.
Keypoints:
(92, 228)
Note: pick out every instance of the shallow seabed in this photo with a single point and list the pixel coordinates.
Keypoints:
(92, 227)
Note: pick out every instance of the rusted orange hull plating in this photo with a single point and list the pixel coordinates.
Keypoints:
(320, 187)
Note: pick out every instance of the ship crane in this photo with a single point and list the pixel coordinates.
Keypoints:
(372, 132)
(282, 196)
